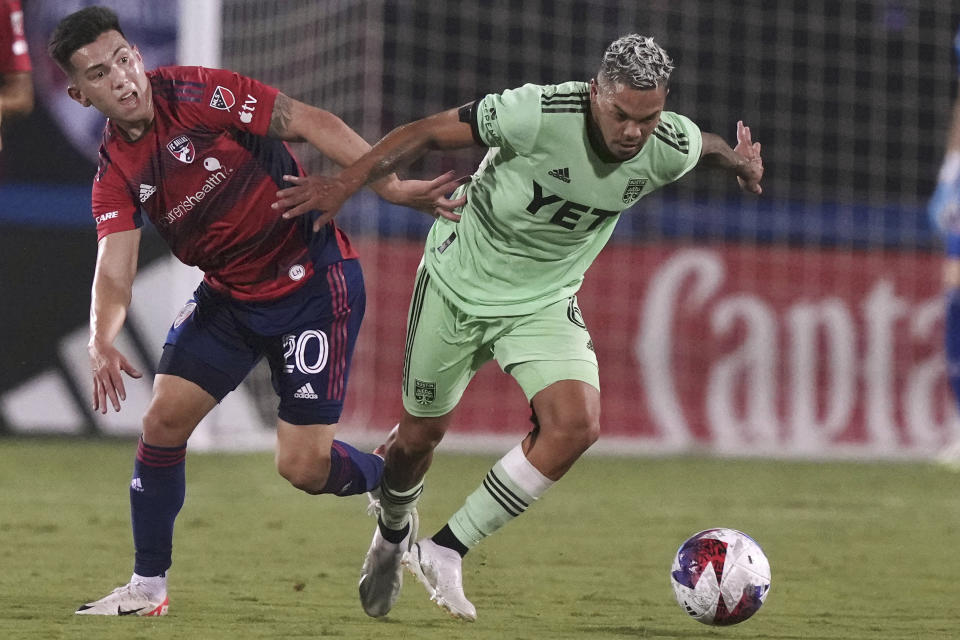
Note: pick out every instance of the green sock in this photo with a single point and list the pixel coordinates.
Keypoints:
(509, 488)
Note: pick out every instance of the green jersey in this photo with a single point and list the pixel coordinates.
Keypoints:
(544, 200)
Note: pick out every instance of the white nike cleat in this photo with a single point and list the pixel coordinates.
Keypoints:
(129, 600)
(382, 574)
(439, 570)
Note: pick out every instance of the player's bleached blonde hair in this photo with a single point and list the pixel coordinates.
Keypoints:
(635, 61)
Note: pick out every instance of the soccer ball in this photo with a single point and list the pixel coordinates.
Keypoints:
(720, 576)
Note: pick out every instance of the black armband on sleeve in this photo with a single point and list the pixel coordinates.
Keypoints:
(468, 114)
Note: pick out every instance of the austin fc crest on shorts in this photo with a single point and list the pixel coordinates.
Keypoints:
(424, 392)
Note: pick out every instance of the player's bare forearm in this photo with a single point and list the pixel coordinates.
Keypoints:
(294, 121)
(108, 309)
(110, 296)
(744, 160)
(113, 284)
(406, 144)
(718, 154)
(397, 149)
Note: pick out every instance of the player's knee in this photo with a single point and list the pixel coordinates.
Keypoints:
(587, 433)
(419, 437)
(162, 429)
(578, 433)
(307, 472)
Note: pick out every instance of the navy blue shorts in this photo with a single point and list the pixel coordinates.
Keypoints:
(307, 337)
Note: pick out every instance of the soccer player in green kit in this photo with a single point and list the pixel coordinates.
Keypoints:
(499, 283)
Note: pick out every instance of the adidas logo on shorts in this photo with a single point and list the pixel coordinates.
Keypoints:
(306, 392)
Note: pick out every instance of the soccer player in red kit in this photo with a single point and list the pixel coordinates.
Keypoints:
(16, 85)
(201, 153)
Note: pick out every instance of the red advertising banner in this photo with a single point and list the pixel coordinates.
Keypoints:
(729, 349)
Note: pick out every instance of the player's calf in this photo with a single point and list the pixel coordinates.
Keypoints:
(346, 472)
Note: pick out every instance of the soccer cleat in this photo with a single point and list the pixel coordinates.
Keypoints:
(439, 570)
(382, 575)
(128, 600)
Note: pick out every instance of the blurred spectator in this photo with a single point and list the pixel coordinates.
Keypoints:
(16, 85)
(944, 210)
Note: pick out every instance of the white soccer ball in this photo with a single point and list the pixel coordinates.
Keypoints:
(720, 576)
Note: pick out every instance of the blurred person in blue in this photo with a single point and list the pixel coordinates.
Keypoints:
(944, 210)
(16, 82)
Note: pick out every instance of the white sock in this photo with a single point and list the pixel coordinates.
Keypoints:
(154, 586)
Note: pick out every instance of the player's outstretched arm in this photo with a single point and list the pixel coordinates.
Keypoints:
(295, 121)
(744, 160)
(110, 296)
(396, 150)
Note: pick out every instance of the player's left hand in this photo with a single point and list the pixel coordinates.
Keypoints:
(310, 193)
(751, 171)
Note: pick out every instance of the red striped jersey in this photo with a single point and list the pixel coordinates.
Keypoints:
(205, 174)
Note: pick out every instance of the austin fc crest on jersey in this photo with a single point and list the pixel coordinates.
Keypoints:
(182, 149)
(634, 187)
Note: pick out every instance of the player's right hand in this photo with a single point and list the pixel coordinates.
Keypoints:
(106, 364)
(751, 172)
(310, 193)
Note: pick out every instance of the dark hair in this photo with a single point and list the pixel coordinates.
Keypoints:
(80, 29)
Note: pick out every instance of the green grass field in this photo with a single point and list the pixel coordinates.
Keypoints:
(857, 550)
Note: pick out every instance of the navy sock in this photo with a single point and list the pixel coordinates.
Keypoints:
(156, 495)
(952, 327)
(352, 471)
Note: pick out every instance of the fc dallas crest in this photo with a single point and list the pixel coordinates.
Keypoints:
(182, 149)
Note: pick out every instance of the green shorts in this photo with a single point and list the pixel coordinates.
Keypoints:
(446, 347)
